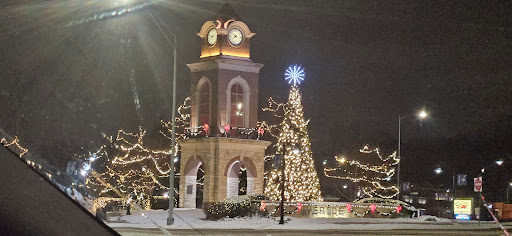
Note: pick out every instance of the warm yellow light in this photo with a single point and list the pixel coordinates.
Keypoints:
(422, 114)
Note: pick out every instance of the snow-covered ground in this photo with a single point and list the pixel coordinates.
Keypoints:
(193, 219)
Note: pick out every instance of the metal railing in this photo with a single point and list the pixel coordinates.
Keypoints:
(229, 132)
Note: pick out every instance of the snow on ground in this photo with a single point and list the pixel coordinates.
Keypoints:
(193, 219)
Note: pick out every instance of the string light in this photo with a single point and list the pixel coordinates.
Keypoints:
(332, 210)
(16, 143)
(301, 179)
(182, 121)
(133, 170)
(373, 175)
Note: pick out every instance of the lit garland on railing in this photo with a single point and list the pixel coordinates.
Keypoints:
(16, 143)
(301, 179)
(373, 175)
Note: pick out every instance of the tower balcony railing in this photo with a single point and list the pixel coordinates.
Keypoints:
(229, 132)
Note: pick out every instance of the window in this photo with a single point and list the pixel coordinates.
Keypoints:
(204, 104)
(237, 106)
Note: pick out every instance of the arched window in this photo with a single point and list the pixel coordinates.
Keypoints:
(204, 104)
(237, 106)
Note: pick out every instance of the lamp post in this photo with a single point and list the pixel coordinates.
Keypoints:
(509, 186)
(173, 43)
(438, 171)
(281, 205)
(421, 115)
(170, 219)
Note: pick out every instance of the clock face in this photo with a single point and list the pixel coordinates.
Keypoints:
(212, 37)
(235, 36)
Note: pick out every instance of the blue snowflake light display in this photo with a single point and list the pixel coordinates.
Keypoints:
(294, 74)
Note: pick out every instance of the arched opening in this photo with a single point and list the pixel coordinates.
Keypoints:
(194, 184)
(237, 106)
(199, 187)
(204, 104)
(240, 180)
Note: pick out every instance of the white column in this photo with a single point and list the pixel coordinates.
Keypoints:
(250, 185)
(190, 191)
(232, 187)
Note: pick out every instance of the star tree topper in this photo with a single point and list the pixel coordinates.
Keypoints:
(294, 74)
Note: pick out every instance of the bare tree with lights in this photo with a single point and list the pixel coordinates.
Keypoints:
(373, 178)
(130, 168)
(133, 169)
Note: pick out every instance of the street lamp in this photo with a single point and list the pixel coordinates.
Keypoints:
(438, 170)
(170, 219)
(421, 115)
(173, 43)
(499, 162)
(509, 186)
(281, 205)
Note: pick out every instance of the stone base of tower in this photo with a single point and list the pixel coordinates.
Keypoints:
(221, 159)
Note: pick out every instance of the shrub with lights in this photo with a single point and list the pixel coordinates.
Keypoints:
(239, 206)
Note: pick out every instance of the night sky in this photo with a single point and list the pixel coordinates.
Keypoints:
(69, 70)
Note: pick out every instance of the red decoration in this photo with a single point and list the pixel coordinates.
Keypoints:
(398, 209)
(373, 207)
(299, 206)
(263, 206)
(261, 130)
(206, 128)
(226, 128)
(349, 207)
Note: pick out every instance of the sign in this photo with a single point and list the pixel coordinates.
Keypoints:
(462, 217)
(463, 206)
(277, 161)
(462, 180)
(324, 211)
(406, 187)
(478, 184)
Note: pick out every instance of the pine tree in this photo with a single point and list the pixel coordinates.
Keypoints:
(373, 179)
(301, 179)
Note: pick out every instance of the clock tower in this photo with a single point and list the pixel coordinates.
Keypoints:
(224, 106)
(224, 83)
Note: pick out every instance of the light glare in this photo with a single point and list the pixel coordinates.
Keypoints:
(422, 114)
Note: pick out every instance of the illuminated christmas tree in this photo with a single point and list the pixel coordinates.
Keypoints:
(373, 178)
(293, 145)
